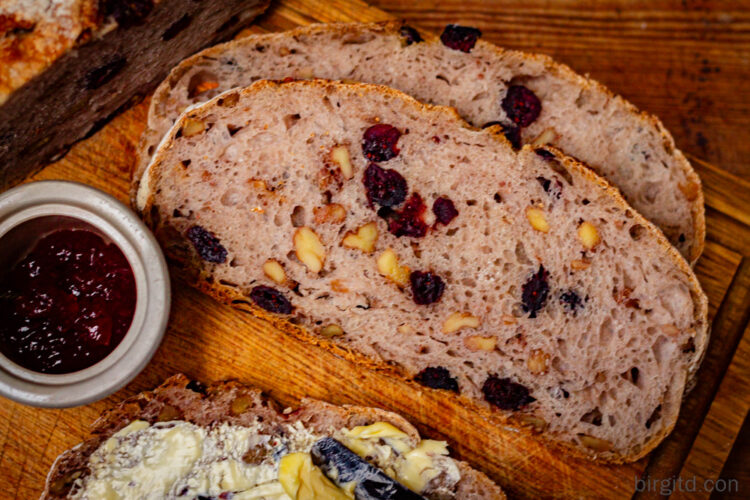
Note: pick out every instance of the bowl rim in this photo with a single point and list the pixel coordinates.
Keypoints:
(120, 224)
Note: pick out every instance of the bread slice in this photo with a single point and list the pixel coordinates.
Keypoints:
(629, 148)
(520, 280)
(260, 432)
(68, 66)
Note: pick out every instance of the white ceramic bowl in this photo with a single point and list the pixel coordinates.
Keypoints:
(36, 208)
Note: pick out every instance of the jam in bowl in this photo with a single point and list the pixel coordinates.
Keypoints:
(67, 295)
(84, 294)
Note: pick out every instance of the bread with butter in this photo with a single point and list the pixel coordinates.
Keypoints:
(187, 440)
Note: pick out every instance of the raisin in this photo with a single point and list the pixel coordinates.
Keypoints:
(534, 292)
(521, 105)
(426, 287)
(437, 377)
(460, 38)
(386, 187)
(410, 35)
(444, 210)
(207, 245)
(379, 142)
(270, 299)
(409, 221)
(196, 386)
(571, 301)
(554, 190)
(506, 394)
(128, 13)
(97, 77)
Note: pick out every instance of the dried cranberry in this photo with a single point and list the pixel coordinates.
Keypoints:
(571, 301)
(379, 142)
(386, 187)
(207, 245)
(534, 292)
(270, 299)
(460, 38)
(521, 105)
(506, 394)
(554, 190)
(426, 287)
(409, 221)
(444, 210)
(410, 35)
(437, 377)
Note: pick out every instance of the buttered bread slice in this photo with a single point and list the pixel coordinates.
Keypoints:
(186, 440)
(396, 235)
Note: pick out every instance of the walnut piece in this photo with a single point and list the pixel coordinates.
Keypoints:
(459, 320)
(537, 219)
(389, 267)
(364, 239)
(309, 249)
(340, 156)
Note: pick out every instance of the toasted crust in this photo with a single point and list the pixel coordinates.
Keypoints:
(151, 136)
(180, 398)
(231, 296)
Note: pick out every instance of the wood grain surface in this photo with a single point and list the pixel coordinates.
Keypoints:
(689, 62)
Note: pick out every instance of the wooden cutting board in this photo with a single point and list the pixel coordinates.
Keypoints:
(209, 341)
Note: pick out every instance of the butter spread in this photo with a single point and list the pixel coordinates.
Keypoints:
(412, 464)
(182, 460)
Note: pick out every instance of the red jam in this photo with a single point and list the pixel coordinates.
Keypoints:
(67, 304)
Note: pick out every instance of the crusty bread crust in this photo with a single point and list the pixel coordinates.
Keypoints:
(178, 398)
(152, 134)
(231, 296)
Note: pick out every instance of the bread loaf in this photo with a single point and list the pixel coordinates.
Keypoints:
(396, 235)
(67, 66)
(535, 99)
(226, 440)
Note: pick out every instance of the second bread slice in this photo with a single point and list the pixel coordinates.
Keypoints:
(400, 237)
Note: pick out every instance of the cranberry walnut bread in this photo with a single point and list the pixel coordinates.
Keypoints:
(226, 440)
(66, 66)
(534, 99)
(398, 236)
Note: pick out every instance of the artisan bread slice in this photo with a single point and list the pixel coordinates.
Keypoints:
(484, 83)
(204, 441)
(397, 235)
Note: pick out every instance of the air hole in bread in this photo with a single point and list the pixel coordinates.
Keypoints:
(291, 120)
(443, 78)
(593, 417)
(298, 216)
(203, 82)
(661, 348)
(637, 231)
(231, 197)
